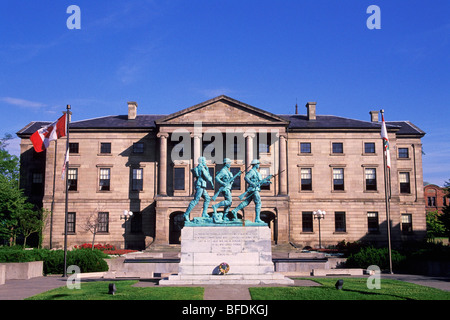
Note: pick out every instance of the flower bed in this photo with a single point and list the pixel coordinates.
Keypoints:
(105, 248)
(99, 246)
(118, 252)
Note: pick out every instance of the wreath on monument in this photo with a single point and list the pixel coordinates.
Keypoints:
(224, 268)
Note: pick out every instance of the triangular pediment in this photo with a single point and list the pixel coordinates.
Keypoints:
(223, 110)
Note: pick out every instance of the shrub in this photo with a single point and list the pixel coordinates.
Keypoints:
(86, 260)
(349, 248)
(372, 256)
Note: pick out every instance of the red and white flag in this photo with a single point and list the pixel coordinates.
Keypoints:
(41, 139)
(385, 138)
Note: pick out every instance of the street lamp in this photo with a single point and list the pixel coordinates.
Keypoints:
(319, 214)
(126, 215)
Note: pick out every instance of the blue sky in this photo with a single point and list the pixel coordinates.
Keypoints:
(169, 55)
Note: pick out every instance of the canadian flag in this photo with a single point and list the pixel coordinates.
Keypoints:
(41, 139)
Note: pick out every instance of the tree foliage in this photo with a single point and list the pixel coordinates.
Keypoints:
(17, 215)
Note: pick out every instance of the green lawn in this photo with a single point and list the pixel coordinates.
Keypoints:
(98, 290)
(353, 289)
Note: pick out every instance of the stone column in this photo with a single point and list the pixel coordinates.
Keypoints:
(197, 146)
(248, 148)
(283, 164)
(163, 163)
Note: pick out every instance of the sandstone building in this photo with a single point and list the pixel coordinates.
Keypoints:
(142, 163)
(436, 198)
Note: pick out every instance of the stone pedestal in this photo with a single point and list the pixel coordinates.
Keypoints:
(247, 250)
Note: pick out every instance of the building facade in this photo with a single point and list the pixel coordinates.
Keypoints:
(436, 198)
(142, 163)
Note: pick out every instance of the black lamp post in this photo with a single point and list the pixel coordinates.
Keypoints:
(319, 214)
(126, 216)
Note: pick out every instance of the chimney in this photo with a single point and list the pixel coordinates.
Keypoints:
(374, 116)
(132, 110)
(296, 109)
(311, 110)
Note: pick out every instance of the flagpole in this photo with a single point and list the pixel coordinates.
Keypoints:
(387, 198)
(67, 192)
(53, 196)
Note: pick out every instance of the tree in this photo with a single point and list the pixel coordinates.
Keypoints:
(17, 215)
(9, 164)
(435, 227)
(92, 224)
(445, 216)
(31, 221)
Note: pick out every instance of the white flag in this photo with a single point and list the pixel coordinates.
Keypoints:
(384, 135)
(66, 160)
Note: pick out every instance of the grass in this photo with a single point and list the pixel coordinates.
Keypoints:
(353, 289)
(98, 290)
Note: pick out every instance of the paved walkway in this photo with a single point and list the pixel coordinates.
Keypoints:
(21, 289)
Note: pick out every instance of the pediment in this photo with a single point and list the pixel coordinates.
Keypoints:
(223, 110)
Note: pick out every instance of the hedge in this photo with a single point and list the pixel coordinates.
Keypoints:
(373, 256)
(86, 260)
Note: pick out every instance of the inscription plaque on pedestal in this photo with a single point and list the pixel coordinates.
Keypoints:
(247, 251)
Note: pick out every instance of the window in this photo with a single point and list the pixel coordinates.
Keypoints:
(137, 181)
(103, 222)
(138, 147)
(136, 222)
(432, 201)
(37, 183)
(237, 182)
(406, 223)
(307, 221)
(265, 172)
(71, 222)
(209, 150)
(306, 179)
(73, 147)
(72, 179)
(105, 179)
(178, 178)
(338, 147)
(38, 178)
(264, 147)
(105, 147)
(338, 178)
(403, 153)
(178, 151)
(372, 222)
(339, 222)
(405, 186)
(369, 147)
(371, 179)
(305, 147)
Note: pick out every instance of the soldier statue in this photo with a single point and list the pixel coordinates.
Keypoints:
(224, 178)
(201, 173)
(254, 180)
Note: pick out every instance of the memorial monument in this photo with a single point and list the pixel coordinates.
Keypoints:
(223, 249)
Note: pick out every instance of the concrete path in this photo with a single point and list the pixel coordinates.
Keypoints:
(21, 289)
